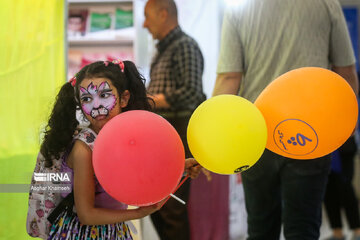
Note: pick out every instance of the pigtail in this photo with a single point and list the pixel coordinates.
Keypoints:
(136, 85)
(61, 125)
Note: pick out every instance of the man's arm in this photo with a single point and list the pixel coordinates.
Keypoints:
(349, 74)
(227, 83)
(188, 66)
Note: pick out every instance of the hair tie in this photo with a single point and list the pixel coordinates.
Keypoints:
(72, 81)
(120, 63)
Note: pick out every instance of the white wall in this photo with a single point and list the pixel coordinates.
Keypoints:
(201, 20)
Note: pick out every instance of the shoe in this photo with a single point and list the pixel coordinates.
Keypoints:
(336, 238)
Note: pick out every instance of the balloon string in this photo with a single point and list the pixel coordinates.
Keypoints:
(178, 199)
(179, 185)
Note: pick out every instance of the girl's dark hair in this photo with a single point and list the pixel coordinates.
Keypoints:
(62, 122)
(61, 125)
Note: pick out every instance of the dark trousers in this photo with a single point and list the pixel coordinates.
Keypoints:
(171, 221)
(282, 190)
(340, 191)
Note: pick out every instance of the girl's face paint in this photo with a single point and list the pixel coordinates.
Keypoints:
(99, 101)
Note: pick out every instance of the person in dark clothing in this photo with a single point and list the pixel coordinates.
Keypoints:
(340, 192)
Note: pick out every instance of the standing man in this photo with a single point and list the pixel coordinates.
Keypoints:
(262, 39)
(176, 88)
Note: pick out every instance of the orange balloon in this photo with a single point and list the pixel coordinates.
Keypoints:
(309, 112)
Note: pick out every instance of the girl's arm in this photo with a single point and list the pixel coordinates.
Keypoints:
(84, 192)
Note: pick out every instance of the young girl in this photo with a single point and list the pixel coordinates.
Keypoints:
(101, 90)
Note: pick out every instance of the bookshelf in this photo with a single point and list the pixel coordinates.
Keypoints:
(99, 30)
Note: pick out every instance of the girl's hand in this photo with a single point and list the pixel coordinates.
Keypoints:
(193, 168)
(147, 210)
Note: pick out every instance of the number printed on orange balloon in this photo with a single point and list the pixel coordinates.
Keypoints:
(295, 137)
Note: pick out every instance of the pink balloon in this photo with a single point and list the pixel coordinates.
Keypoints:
(138, 158)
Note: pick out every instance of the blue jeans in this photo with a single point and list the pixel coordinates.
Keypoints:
(280, 190)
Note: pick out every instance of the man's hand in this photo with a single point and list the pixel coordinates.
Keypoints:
(193, 168)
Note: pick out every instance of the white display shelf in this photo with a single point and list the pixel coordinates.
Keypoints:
(85, 46)
(111, 37)
(98, 42)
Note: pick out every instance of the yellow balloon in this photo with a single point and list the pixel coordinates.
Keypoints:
(227, 134)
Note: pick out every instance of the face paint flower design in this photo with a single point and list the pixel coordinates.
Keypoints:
(97, 101)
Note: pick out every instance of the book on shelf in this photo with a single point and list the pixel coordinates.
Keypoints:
(100, 22)
(123, 17)
(77, 22)
(101, 18)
